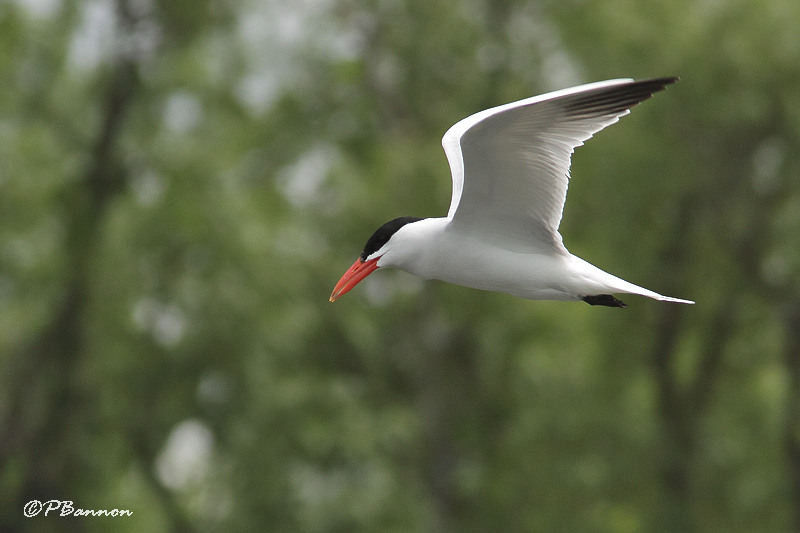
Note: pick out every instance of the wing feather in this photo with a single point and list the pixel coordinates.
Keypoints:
(510, 164)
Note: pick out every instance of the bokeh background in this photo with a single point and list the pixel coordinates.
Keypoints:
(182, 182)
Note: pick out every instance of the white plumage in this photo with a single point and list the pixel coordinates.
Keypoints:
(510, 168)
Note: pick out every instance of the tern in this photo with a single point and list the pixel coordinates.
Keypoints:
(510, 169)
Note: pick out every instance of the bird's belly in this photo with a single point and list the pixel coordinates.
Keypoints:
(532, 276)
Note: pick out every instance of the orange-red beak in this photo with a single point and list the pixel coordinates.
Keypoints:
(360, 270)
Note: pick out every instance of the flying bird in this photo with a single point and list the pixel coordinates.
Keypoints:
(510, 168)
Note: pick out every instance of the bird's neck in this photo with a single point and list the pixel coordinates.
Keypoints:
(415, 246)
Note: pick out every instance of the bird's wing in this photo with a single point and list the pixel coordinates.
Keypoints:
(510, 163)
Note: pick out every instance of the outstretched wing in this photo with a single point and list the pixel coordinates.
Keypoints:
(510, 164)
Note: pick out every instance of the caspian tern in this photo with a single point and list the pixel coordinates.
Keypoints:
(510, 167)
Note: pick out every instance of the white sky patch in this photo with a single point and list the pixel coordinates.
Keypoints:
(276, 39)
(148, 187)
(269, 33)
(302, 181)
(93, 42)
(529, 30)
(97, 38)
(165, 322)
(185, 459)
(40, 8)
(257, 91)
(285, 25)
(182, 112)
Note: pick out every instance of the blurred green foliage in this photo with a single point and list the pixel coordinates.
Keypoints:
(182, 183)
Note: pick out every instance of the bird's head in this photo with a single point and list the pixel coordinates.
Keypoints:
(367, 263)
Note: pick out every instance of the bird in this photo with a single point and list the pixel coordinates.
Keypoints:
(510, 167)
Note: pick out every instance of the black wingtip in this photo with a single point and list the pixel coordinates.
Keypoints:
(656, 84)
(618, 98)
(668, 80)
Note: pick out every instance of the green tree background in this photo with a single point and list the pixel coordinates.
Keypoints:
(182, 183)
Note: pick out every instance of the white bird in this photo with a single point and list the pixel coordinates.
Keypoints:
(510, 167)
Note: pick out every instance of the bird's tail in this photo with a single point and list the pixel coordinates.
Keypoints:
(609, 283)
(630, 288)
